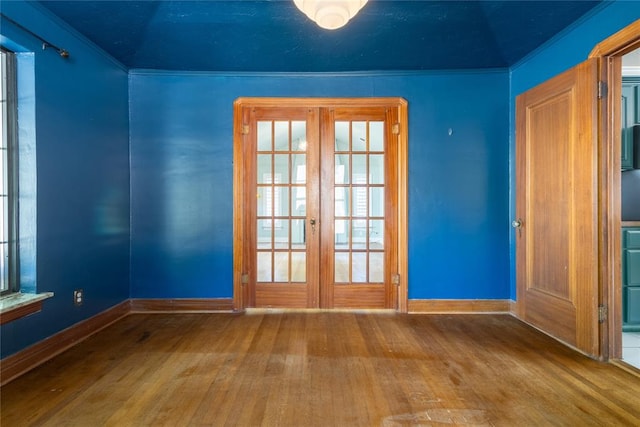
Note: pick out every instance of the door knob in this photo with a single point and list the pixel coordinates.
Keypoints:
(517, 224)
(312, 221)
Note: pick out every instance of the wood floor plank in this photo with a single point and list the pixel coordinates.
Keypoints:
(224, 389)
(180, 395)
(321, 369)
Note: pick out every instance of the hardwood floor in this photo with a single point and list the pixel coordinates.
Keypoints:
(324, 369)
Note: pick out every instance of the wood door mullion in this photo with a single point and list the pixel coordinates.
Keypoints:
(327, 178)
(313, 207)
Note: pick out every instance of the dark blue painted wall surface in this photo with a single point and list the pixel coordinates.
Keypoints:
(461, 186)
(181, 172)
(82, 167)
(564, 51)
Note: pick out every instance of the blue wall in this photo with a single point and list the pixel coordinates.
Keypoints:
(564, 51)
(181, 173)
(461, 186)
(80, 112)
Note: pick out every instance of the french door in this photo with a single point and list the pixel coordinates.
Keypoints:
(319, 199)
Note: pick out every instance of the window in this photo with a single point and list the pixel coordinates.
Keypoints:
(8, 182)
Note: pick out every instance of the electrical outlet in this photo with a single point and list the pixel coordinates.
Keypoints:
(78, 297)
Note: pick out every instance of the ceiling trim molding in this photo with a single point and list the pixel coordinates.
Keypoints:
(381, 73)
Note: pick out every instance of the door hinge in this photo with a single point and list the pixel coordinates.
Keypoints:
(245, 129)
(395, 279)
(245, 279)
(602, 89)
(602, 313)
(395, 129)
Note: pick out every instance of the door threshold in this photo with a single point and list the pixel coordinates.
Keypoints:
(277, 310)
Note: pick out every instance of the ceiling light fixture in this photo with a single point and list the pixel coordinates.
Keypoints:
(330, 14)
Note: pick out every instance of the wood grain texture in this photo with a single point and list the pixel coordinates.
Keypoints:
(327, 261)
(16, 364)
(313, 206)
(321, 369)
(557, 201)
(609, 54)
(141, 305)
(392, 260)
(282, 295)
(22, 311)
(459, 306)
(359, 294)
(319, 112)
(620, 43)
(609, 236)
(402, 208)
(239, 299)
(276, 102)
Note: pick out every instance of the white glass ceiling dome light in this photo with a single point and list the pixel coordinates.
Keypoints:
(330, 14)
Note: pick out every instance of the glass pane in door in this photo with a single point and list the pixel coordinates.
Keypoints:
(341, 267)
(376, 168)
(376, 136)
(359, 197)
(298, 267)
(281, 201)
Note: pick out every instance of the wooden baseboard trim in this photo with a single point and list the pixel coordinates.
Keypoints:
(626, 367)
(17, 364)
(194, 305)
(459, 306)
(513, 307)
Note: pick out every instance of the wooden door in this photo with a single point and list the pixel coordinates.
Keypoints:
(359, 193)
(557, 207)
(282, 202)
(320, 206)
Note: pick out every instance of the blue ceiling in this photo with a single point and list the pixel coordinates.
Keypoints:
(274, 36)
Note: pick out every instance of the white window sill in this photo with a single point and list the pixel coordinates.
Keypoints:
(15, 306)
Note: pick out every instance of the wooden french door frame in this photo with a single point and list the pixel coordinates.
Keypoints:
(609, 53)
(242, 297)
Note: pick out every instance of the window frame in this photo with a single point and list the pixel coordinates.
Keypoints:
(10, 136)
